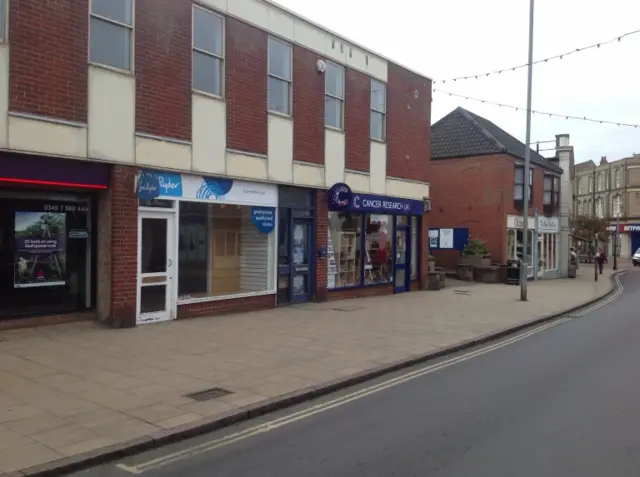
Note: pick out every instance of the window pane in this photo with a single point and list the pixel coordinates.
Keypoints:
(110, 44)
(547, 198)
(2, 22)
(333, 112)
(547, 182)
(279, 59)
(207, 74)
(221, 252)
(377, 125)
(207, 31)
(518, 193)
(378, 96)
(334, 80)
(117, 10)
(278, 95)
(378, 259)
(519, 178)
(344, 250)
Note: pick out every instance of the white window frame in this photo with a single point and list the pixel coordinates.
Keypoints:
(617, 206)
(4, 33)
(288, 81)
(617, 178)
(329, 95)
(131, 29)
(211, 54)
(375, 111)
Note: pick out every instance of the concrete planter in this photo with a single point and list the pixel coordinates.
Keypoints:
(465, 272)
(436, 280)
(491, 274)
(432, 265)
(475, 260)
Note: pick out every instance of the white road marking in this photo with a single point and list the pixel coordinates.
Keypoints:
(340, 401)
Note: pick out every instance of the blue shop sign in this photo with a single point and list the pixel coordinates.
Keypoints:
(264, 218)
(152, 184)
(340, 197)
(148, 187)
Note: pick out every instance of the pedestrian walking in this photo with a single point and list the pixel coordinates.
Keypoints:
(601, 258)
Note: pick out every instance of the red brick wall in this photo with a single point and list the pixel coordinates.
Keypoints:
(48, 61)
(476, 193)
(357, 119)
(163, 67)
(124, 264)
(322, 240)
(345, 294)
(246, 87)
(308, 107)
(408, 124)
(222, 307)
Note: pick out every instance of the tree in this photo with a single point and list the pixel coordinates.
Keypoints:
(586, 228)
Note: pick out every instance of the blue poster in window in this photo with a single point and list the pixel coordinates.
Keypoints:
(264, 218)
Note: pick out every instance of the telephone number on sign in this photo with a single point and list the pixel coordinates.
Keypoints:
(64, 208)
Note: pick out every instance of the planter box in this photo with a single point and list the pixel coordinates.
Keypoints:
(475, 260)
(432, 266)
(465, 272)
(436, 280)
(491, 274)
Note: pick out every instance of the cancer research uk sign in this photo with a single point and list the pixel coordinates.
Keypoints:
(340, 197)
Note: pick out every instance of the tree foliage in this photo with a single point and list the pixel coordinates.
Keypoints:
(587, 228)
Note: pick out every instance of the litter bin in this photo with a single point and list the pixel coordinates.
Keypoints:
(513, 272)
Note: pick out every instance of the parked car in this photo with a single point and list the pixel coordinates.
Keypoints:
(636, 258)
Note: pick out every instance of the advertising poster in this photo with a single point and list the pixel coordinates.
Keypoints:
(40, 259)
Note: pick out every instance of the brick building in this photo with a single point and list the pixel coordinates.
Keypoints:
(477, 172)
(172, 158)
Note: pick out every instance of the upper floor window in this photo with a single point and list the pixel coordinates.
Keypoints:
(616, 206)
(334, 96)
(590, 184)
(581, 189)
(208, 51)
(111, 32)
(617, 180)
(279, 79)
(378, 122)
(600, 207)
(3, 19)
(518, 190)
(599, 182)
(551, 190)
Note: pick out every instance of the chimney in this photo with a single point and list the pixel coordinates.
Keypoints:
(603, 160)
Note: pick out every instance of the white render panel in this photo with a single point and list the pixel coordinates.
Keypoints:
(280, 150)
(407, 189)
(251, 11)
(246, 166)
(310, 37)
(4, 96)
(163, 154)
(220, 5)
(111, 118)
(334, 160)
(209, 134)
(336, 49)
(310, 175)
(378, 167)
(281, 24)
(47, 137)
(358, 181)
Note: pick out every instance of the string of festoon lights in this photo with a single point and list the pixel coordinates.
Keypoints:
(541, 113)
(616, 39)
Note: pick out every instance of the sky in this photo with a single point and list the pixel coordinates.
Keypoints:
(445, 39)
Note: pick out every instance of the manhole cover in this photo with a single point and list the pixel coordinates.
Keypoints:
(208, 394)
(348, 309)
(461, 292)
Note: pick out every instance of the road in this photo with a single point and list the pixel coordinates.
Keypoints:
(564, 401)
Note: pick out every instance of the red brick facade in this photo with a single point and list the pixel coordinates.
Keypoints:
(163, 67)
(357, 117)
(308, 107)
(48, 60)
(246, 87)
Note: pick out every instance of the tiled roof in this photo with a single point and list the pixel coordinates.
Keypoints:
(463, 134)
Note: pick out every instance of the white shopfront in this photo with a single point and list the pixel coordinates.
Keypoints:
(543, 244)
(202, 239)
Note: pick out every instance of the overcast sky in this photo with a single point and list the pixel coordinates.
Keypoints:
(444, 39)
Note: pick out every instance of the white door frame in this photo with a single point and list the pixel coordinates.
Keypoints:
(167, 278)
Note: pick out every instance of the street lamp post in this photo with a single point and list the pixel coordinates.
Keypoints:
(616, 235)
(595, 257)
(527, 159)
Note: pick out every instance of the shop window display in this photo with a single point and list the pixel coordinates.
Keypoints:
(344, 249)
(378, 265)
(221, 252)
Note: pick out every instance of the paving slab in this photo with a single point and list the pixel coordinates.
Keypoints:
(76, 388)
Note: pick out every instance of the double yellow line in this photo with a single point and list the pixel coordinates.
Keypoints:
(340, 401)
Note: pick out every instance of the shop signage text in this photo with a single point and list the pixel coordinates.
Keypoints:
(625, 228)
(264, 218)
(148, 186)
(546, 225)
(340, 197)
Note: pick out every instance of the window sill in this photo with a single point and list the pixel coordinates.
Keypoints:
(190, 301)
(207, 95)
(333, 128)
(280, 115)
(379, 141)
(112, 69)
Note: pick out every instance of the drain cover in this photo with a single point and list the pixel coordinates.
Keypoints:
(208, 394)
(461, 292)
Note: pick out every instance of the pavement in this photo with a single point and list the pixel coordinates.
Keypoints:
(557, 400)
(73, 391)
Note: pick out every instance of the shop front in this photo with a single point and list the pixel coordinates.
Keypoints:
(47, 235)
(628, 239)
(372, 240)
(542, 244)
(204, 241)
